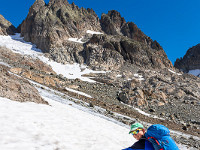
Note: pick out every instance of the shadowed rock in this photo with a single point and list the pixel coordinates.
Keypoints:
(190, 61)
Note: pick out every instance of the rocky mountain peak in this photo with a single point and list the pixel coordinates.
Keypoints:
(37, 5)
(54, 23)
(6, 27)
(190, 61)
(132, 31)
(52, 26)
(58, 3)
(112, 22)
(35, 8)
(116, 18)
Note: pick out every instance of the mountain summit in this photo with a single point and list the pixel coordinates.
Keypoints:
(6, 28)
(191, 60)
(63, 31)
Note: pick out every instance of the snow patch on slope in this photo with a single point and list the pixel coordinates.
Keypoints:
(76, 40)
(70, 71)
(174, 72)
(195, 72)
(93, 32)
(78, 92)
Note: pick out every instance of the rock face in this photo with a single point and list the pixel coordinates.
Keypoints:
(113, 24)
(17, 89)
(29, 68)
(116, 50)
(6, 27)
(50, 27)
(190, 61)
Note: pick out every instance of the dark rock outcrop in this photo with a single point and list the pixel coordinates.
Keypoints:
(6, 28)
(190, 61)
(50, 27)
(113, 24)
(115, 50)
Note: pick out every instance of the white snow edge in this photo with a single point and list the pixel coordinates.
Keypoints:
(78, 92)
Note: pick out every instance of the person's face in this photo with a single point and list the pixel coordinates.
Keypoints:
(139, 135)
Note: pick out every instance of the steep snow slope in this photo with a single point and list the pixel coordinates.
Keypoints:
(30, 126)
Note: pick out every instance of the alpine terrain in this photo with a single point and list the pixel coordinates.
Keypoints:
(106, 67)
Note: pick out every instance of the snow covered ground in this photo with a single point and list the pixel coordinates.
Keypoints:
(76, 40)
(174, 72)
(78, 92)
(195, 72)
(63, 126)
(30, 126)
(58, 126)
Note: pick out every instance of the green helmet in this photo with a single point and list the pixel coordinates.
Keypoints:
(136, 126)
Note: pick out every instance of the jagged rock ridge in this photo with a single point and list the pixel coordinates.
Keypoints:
(6, 27)
(190, 61)
(50, 26)
(113, 24)
(162, 93)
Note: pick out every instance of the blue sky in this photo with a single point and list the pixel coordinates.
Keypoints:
(175, 24)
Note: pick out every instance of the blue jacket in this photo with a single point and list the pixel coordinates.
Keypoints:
(142, 144)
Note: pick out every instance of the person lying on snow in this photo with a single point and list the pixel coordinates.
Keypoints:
(157, 137)
(138, 132)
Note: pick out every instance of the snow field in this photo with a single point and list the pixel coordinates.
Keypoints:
(30, 126)
(195, 72)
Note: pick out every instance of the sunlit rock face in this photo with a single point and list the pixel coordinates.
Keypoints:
(50, 26)
(6, 28)
(61, 30)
